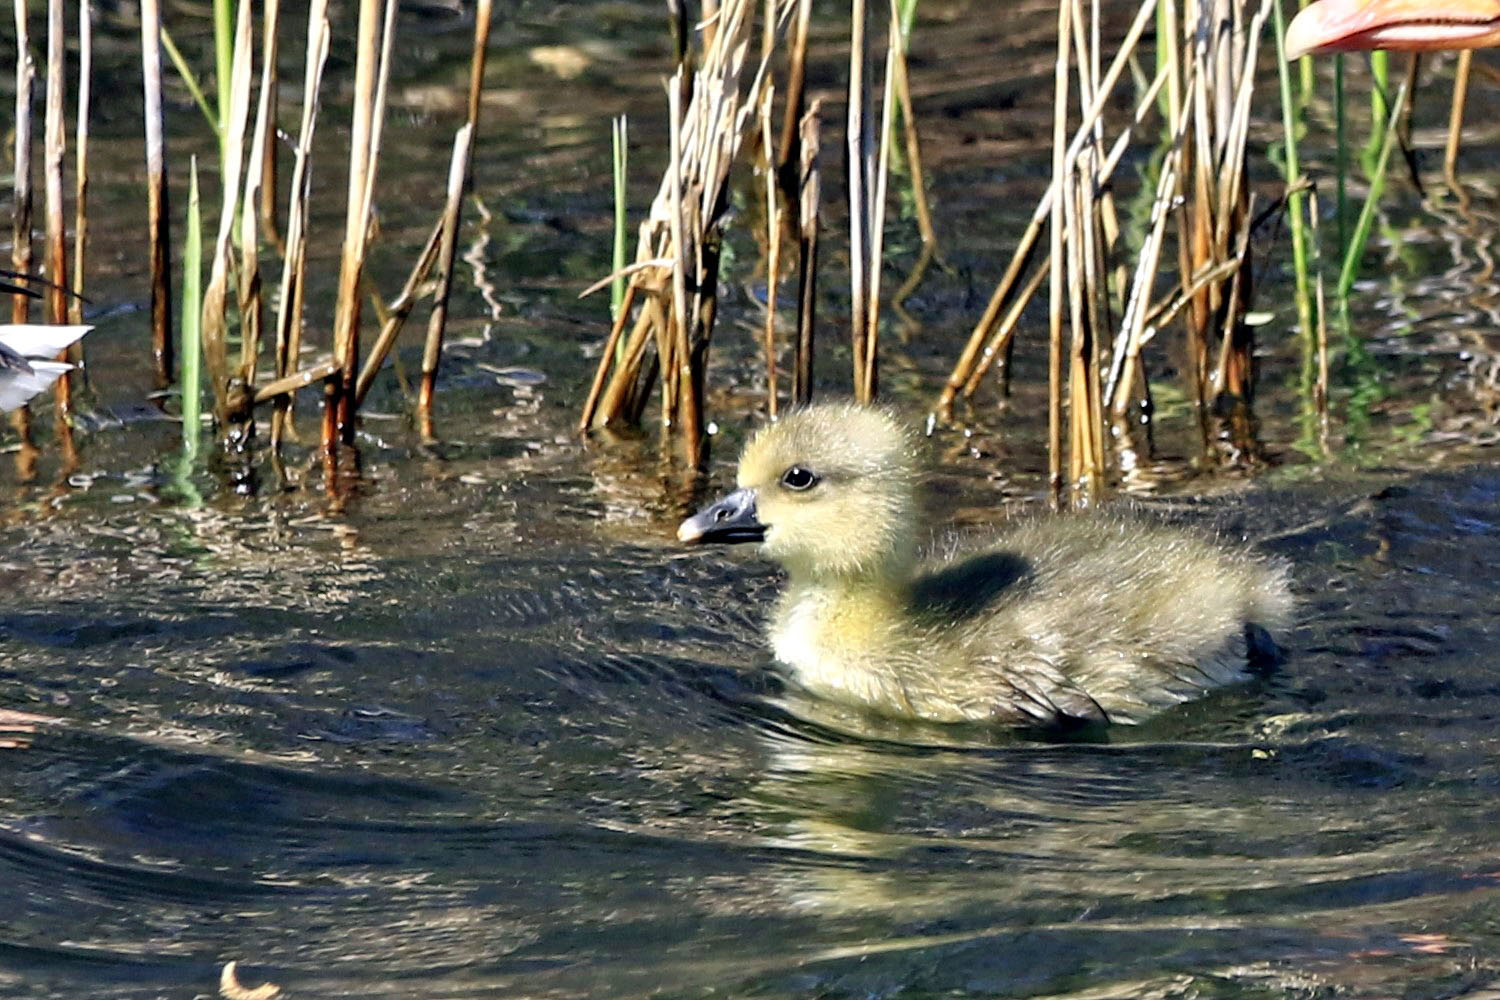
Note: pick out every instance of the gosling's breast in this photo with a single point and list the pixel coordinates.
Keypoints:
(839, 647)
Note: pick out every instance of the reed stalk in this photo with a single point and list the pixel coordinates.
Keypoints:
(54, 152)
(158, 215)
(773, 251)
(400, 308)
(1296, 189)
(432, 351)
(619, 153)
(1456, 105)
(809, 146)
(338, 424)
(1349, 268)
(191, 347)
(21, 214)
(270, 83)
(226, 43)
(294, 261)
(460, 179)
(81, 162)
(876, 247)
(1056, 235)
(861, 161)
(231, 399)
(21, 206)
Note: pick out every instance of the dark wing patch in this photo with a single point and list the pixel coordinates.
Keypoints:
(967, 587)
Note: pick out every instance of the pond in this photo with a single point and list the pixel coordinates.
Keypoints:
(483, 728)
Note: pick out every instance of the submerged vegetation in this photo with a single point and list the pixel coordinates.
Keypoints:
(1150, 274)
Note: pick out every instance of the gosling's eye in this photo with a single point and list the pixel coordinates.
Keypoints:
(799, 479)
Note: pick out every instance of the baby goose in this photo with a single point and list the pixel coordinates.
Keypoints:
(1068, 619)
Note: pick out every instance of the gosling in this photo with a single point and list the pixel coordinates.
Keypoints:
(1065, 621)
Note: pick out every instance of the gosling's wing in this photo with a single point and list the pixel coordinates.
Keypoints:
(37, 340)
(1035, 693)
(18, 385)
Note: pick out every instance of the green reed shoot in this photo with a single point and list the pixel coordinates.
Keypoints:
(1295, 198)
(189, 79)
(223, 71)
(192, 316)
(1356, 248)
(1380, 89)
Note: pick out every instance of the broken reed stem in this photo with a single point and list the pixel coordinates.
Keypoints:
(1004, 335)
(398, 310)
(808, 195)
(432, 352)
(338, 424)
(773, 250)
(1460, 98)
(158, 210)
(294, 261)
(81, 164)
(460, 178)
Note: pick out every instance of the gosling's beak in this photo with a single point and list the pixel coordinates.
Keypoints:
(1412, 25)
(731, 519)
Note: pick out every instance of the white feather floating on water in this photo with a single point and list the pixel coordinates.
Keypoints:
(22, 373)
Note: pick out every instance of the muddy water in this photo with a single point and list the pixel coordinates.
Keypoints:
(485, 731)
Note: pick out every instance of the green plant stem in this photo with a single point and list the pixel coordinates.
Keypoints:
(191, 344)
(1380, 89)
(224, 70)
(1296, 199)
(1341, 157)
(1350, 268)
(188, 79)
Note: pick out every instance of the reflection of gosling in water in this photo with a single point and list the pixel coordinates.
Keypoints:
(1087, 618)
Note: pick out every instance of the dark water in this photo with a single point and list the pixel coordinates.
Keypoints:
(486, 731)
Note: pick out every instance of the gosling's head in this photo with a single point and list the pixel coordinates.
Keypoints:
(829, 490)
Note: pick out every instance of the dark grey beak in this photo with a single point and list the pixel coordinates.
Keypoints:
(730, 520)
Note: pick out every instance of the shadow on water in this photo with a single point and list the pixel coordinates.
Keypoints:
(488, 732)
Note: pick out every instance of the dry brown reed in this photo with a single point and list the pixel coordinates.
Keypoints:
(1207, 73)
(808, 194)
(460, 180)
(673, 283)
